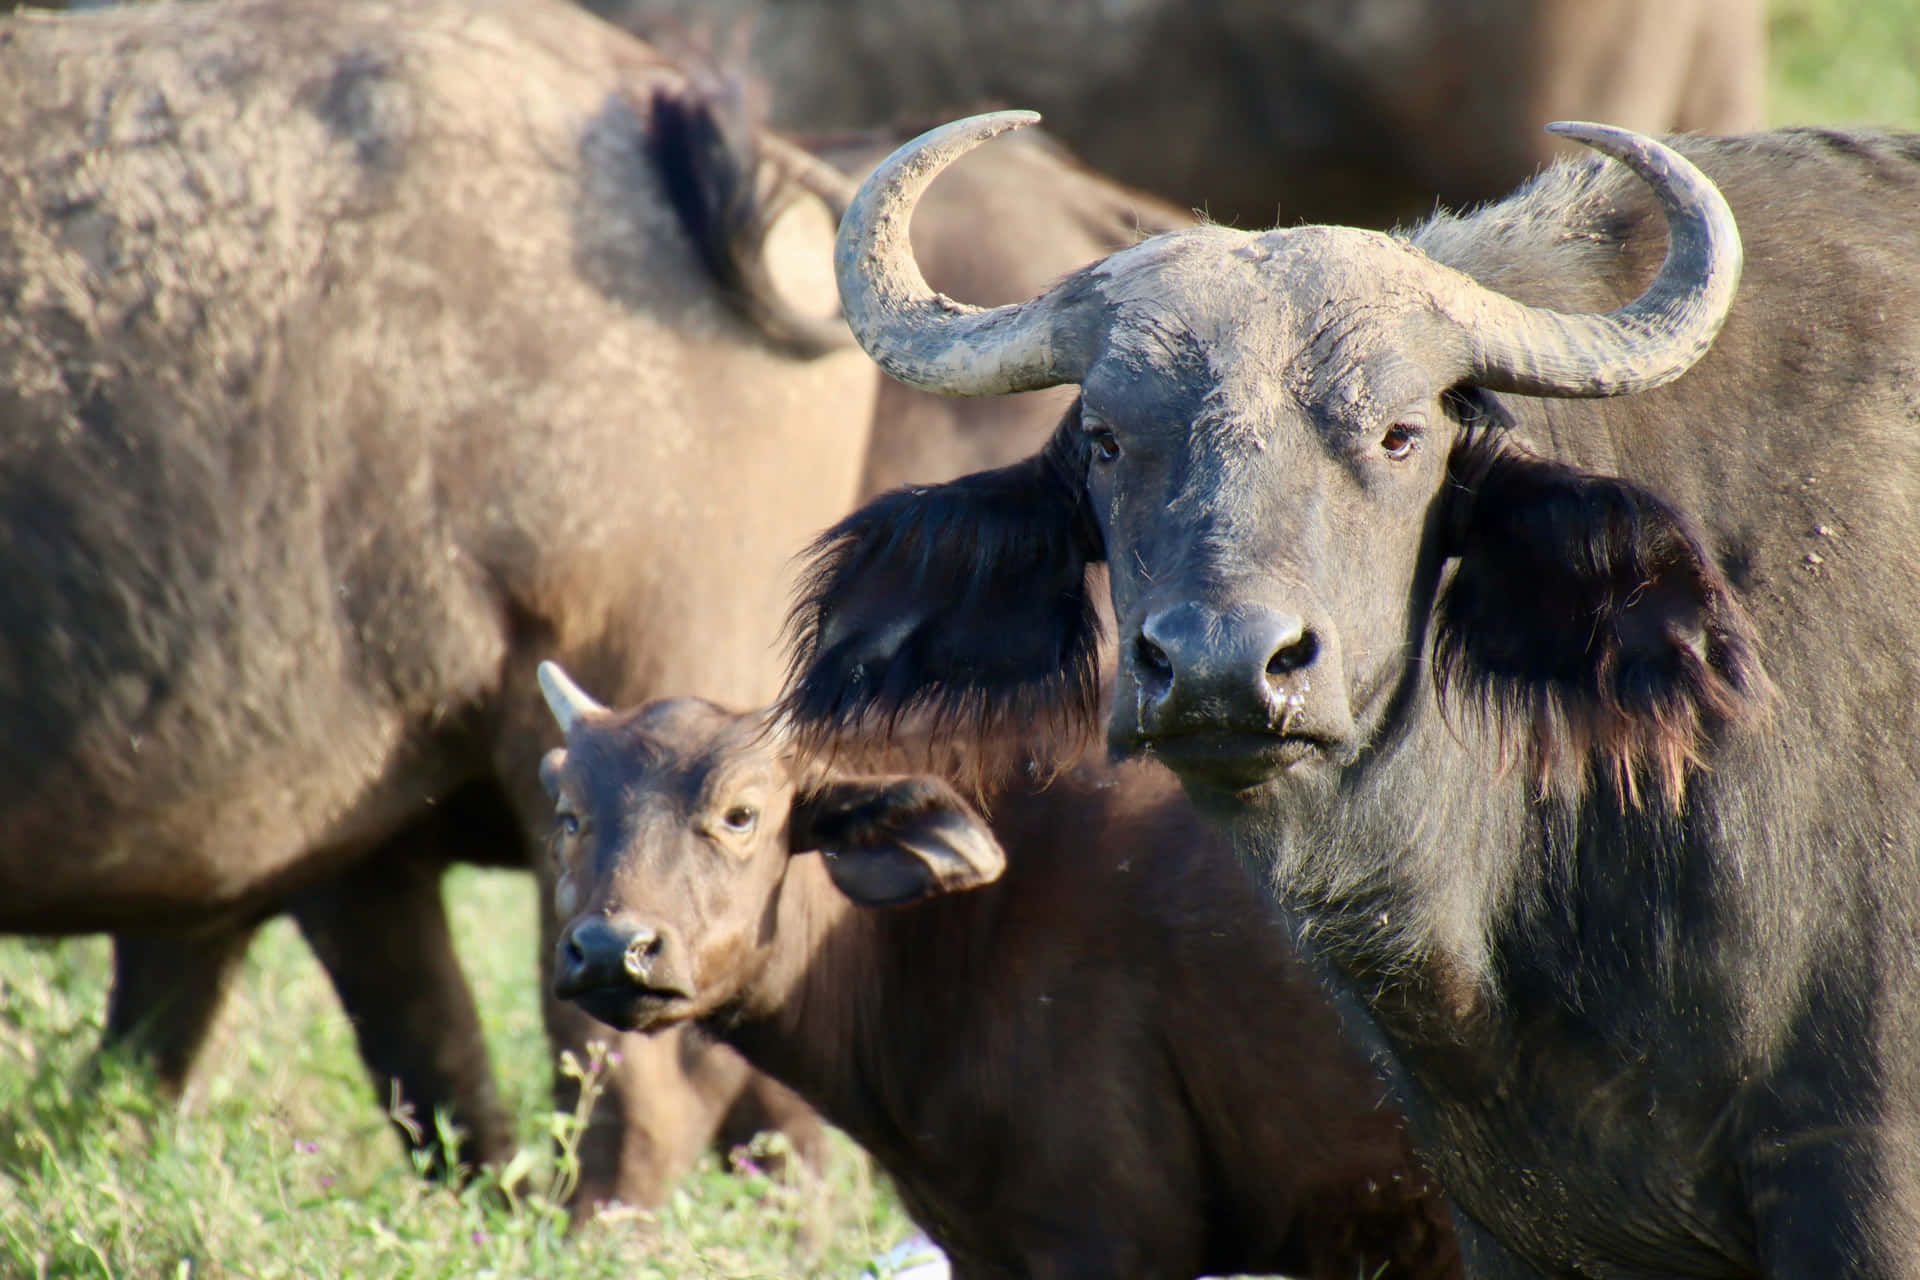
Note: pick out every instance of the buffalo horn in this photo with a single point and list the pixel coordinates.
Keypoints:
(567, 700)
(1651, 340)
(922, 337)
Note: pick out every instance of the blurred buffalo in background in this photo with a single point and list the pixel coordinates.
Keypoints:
(349, 365)
(1348, 111)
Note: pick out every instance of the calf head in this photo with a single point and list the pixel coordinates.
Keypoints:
(1282, 441)
(674, 826)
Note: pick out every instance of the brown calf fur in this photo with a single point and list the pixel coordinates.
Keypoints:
(1105, 1061)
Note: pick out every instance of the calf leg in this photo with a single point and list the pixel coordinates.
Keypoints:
(381, 931)
(764, 1105)
(167, 991)
(662, 1105)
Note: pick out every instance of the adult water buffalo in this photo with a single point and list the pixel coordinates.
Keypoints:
(1566, 695)
(1043, 1060)
(349, 365)
(1359, 111)
(341, 384)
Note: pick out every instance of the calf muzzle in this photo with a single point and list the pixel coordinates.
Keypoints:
(601, 953)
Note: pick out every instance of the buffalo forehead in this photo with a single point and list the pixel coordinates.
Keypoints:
(685, 751)
(1341, 324)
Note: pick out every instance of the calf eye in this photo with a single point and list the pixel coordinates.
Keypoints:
(1399, 440)
(1106, 445)
(740, 819)
(568, 823)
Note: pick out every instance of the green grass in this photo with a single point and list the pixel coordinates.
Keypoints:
(1844, 62)
(281, 1164)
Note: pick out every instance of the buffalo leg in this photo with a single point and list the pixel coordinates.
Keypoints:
(661, 1106)
(167, 991)
(764, 1105)
(381, 931)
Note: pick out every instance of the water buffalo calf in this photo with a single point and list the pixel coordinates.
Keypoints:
(1106, 1061)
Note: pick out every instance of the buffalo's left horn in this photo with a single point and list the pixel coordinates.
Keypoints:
(926, 338)
(1651, 340)
(567, 700)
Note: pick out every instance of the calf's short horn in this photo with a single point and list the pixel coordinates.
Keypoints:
(567, 700)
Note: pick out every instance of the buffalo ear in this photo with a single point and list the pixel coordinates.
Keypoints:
(1585, 612)
(963, 606)
(892, 841)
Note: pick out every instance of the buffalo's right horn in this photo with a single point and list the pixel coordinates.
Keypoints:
(926, 338)
(1649, 341)
(567, 700)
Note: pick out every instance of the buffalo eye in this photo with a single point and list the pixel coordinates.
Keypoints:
(1106, 445)
(740, 819)
(1400, 440)
(568, 823)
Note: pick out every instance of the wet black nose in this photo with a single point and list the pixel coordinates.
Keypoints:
(598, 952)
(1247, 664)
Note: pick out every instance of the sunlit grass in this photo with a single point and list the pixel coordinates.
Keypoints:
(281, 1163)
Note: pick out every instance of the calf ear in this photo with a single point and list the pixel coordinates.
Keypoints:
(968, 602)
(891, 841)
(1585, 611)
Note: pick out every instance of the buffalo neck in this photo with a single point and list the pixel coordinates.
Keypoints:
(849, 991)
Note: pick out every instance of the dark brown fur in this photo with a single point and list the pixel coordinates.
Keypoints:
(1107, 1062)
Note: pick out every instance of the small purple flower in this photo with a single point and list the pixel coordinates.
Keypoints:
(614, 1059)
(306, 1146)
(479, 1236)
(326, 1180)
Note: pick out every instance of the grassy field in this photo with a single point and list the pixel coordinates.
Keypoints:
(282, 1166)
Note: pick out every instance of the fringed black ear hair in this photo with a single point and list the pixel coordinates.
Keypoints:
(959, 611)
(1585, 620)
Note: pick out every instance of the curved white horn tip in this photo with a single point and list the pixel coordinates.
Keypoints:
(946, 142)
(989, 124)
(567, 700)
(1609, 139)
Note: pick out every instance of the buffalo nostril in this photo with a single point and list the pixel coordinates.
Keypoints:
(643, 948)
(573, 955)
(1294, 655)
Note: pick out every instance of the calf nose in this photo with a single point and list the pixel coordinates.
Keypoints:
(598, 952)
(1196, 665)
